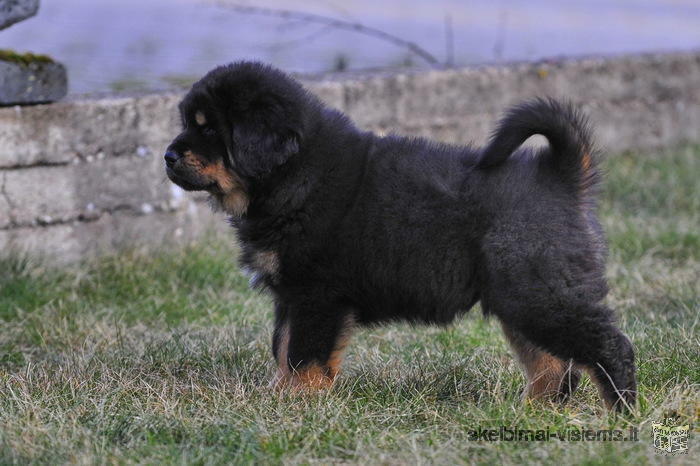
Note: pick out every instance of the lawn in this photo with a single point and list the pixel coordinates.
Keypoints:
(165, 358)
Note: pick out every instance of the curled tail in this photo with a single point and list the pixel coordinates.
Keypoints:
(566, 129)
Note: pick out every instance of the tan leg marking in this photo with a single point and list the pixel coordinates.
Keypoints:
(313, 376)
(544, 372)
(336, 358)
(545, 376)
(282, 372)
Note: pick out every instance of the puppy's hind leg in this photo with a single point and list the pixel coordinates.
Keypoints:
(548, 377)
(587, 334)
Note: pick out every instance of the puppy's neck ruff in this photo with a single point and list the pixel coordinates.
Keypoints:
(234, 203)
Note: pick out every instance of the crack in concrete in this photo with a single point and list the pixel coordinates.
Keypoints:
(80, 218)
(10, 204)
(19, 166)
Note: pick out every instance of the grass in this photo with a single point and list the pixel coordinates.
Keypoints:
(165, 358)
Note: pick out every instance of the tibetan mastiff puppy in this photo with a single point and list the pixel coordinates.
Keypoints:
(347, 228)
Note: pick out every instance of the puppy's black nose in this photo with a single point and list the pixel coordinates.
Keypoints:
(170, 158)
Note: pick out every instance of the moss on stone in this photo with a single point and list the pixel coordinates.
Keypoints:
(23, 58)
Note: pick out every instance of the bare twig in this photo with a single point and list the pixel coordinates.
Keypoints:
(307, 39)
(449, 41)
(332, 22)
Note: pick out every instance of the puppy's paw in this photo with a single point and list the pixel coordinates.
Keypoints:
(308, 378)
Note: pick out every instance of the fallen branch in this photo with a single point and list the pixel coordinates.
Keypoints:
(332, 22)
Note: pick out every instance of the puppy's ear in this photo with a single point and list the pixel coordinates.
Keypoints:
(261, 145)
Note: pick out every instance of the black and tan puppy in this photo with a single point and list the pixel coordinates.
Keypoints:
(347, 228)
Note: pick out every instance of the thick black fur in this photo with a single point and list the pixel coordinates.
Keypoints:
(377, 229)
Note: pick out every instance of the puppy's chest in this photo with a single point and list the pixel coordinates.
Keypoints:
(261, 264)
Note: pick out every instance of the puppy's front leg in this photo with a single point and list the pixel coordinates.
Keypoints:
(308, 345)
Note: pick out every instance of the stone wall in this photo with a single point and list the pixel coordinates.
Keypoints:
(83, 177)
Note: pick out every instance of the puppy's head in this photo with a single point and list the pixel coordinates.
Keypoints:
(241, 123)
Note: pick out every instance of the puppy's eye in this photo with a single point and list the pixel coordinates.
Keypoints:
(208, 131)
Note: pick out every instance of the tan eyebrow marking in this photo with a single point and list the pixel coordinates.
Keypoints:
(200, 118)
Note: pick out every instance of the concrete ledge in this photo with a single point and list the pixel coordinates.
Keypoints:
(73, 241)
(43, 195)
(82, 177)
(86, 130)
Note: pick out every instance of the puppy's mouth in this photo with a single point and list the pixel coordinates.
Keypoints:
(188, 185)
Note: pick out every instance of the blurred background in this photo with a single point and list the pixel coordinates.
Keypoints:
(138, 45)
